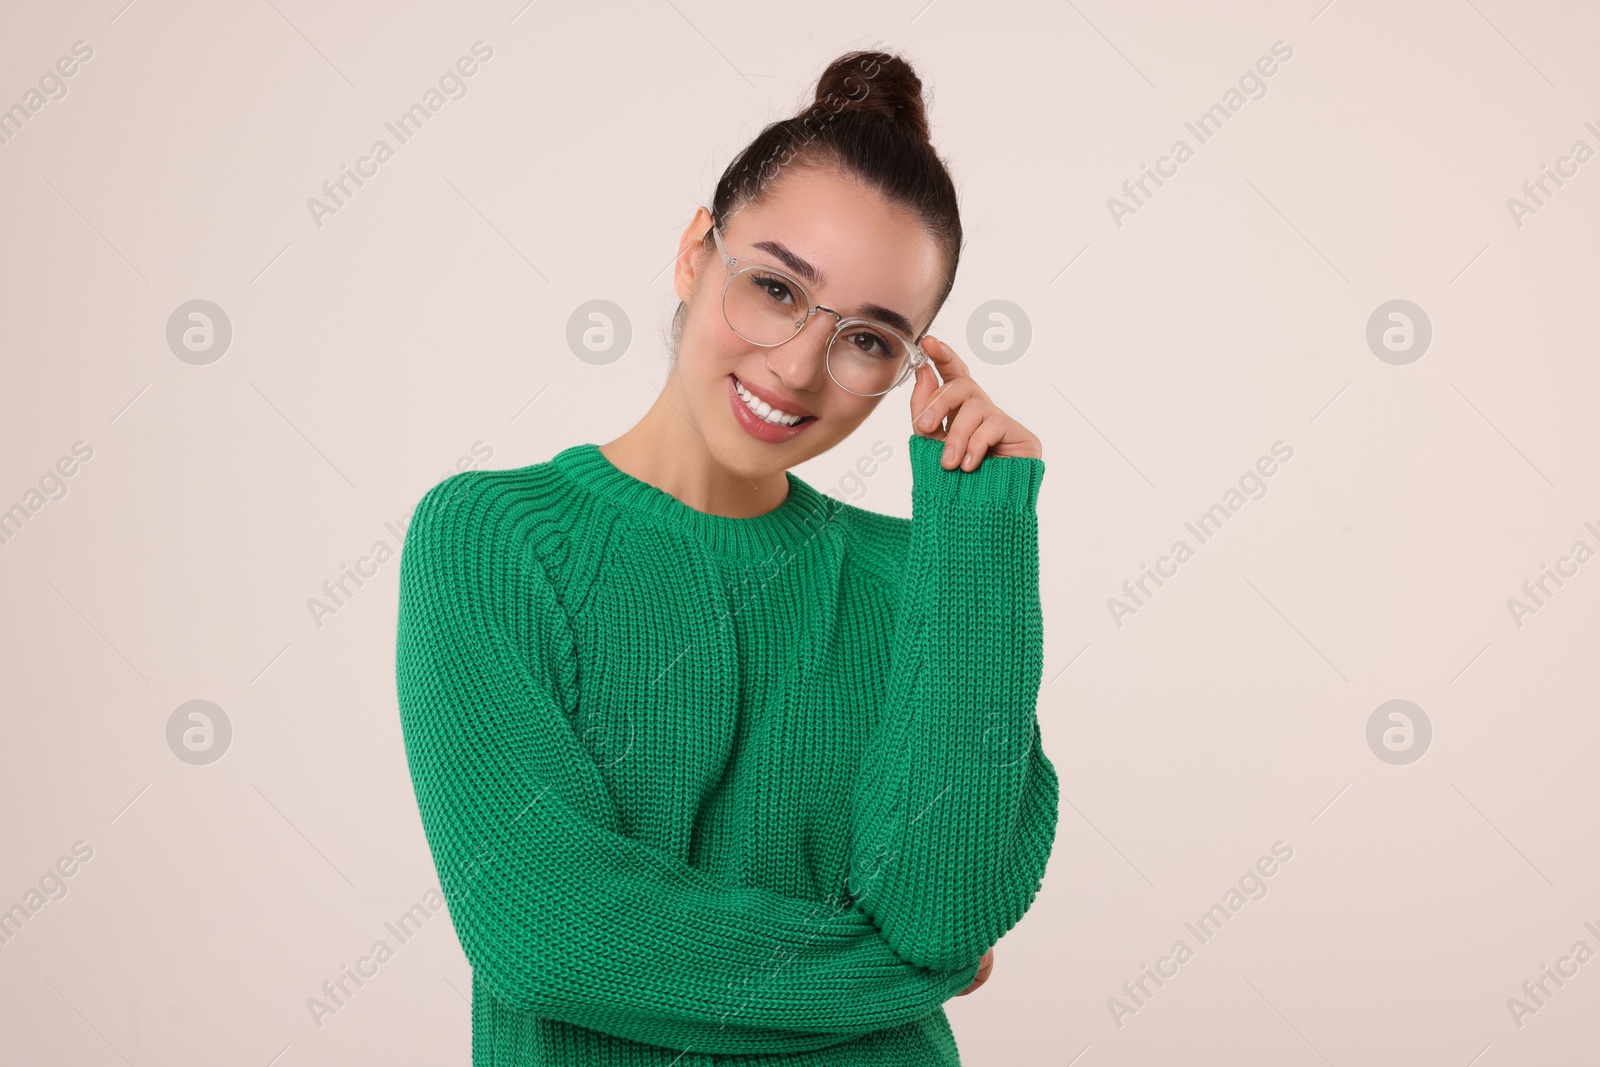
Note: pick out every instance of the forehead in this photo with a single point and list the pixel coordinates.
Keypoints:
(863, 250)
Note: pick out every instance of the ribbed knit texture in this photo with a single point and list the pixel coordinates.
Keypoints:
(704, 790)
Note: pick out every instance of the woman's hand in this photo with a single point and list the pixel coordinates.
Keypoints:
(977, 426)
(985, 965)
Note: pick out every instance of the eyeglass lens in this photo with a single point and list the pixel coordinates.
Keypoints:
(766, 308)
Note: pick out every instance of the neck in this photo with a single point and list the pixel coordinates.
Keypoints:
(669, 452)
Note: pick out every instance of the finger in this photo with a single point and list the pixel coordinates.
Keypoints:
(921, 393)
(945, 359)
(944, 400)
(989, 433)
(957, 451)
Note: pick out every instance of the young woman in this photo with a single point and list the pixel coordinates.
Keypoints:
(716, 769)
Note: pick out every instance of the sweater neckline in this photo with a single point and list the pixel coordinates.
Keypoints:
(788, 526)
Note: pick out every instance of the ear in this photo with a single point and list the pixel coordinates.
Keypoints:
(690, 253)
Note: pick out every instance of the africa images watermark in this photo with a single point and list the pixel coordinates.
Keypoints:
(452, 85)
(1579, 554)
(852, 487)
(818, 116)
(52, 886)
(1204, 528)
(52, 86)
(1251, 885)
(1205, 126)
(52, 486)
(338, 992)
(1579, 154)
(337, 592)
(1531, 1001)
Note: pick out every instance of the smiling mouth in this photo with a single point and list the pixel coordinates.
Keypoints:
(766, 412)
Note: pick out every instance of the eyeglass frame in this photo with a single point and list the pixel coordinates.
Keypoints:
(918, 356)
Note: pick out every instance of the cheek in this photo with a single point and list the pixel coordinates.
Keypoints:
(718, 346)
(710, 351)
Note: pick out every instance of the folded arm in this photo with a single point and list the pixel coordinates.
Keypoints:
(954, 811)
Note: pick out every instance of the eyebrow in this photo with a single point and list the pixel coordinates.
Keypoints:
(814, 276)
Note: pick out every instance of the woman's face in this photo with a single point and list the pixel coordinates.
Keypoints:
(865, 251)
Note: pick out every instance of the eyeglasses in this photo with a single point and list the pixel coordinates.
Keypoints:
(769, 307)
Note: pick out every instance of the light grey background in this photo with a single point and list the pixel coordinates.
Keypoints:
(429, 316)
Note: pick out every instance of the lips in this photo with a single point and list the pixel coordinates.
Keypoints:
(757, 396)
(756, 426)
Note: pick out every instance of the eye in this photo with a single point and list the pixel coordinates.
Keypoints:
(774, 288)
(869, 342)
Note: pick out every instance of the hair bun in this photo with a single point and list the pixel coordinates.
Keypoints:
(877, 82)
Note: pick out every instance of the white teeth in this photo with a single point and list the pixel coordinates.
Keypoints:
(763, 409)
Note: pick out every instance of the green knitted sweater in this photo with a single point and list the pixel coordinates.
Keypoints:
(736, 791)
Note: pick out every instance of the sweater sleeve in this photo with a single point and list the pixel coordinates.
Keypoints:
(953, 814)
(560, 914)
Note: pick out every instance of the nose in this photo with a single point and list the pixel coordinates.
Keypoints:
(801, 363)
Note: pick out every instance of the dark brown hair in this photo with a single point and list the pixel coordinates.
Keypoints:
(868, 121)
